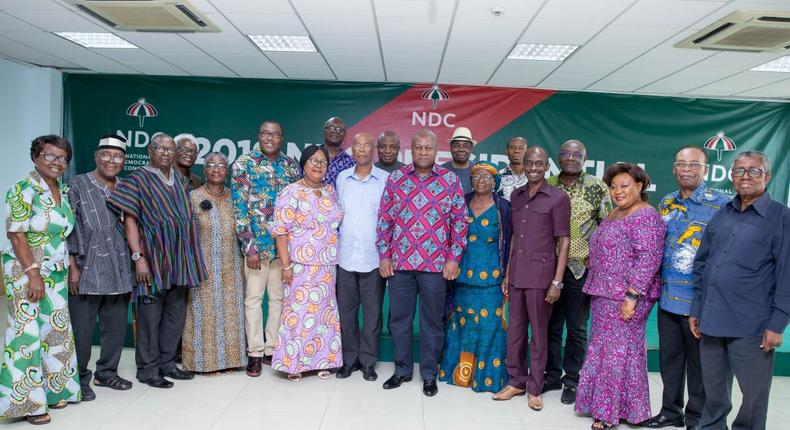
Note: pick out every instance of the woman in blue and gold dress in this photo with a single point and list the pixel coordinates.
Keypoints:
(476, 339)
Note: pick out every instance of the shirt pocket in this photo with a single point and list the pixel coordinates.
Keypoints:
(542, 217)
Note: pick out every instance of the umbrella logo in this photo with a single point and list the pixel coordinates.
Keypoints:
(142, 109)
(435, 94)
(719, 143)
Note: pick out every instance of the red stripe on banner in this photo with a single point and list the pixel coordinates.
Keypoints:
(484, 110)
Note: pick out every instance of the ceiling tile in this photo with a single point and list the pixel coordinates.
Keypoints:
(229, 38)
(522, 73)
(207, 69)
(484, 66)
(408, 62)
(413, 28)
(30, 5)
(350, 61)
(58, 21)
(777, 89)
(624, 81)
(486, 32)
(515, 10)
(296, 59)
(11, 23)
(124, 55)
(263, 69)
(632, 36)
(614, 56)
(11, 49)
(204, 6)
(247, 6)
(463, 78)
(157, 68)
(410, 75)
(309, 73)
(155, 40)
(324, 7)
(241, 57)
(406, 47)
(39, 39)
(359, 74)
(667, 13)
(177, 56)
(561, 34)
(582, 11)
(341, 25)
(781, 5)
(431, 10)
(107, 66)
(739, 83)
(279, 24)
(478, 50)
(338, 45)
(557, 81)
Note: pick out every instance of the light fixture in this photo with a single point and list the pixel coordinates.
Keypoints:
(541, 52)
(781, 64)
(96, 40)
(268, 42)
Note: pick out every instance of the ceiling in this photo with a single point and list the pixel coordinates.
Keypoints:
(626, 45)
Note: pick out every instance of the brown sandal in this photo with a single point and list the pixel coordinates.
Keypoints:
(59, 405)
(38, 420)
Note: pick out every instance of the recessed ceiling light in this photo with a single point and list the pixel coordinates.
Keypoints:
(268, 42)
(541, 52)
(781, 64)
(96, 40)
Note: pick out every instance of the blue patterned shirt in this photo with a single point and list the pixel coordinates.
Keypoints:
(686, 220)
(341, 162)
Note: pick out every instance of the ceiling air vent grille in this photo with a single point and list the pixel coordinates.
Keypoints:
(148, 15)
(744, 30)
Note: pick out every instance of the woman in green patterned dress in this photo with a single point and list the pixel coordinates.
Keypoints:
(39, 365)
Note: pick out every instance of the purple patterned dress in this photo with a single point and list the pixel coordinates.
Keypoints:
(613, 381)
(309, 335)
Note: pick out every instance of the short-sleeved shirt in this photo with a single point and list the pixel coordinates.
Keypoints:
(510, 181)
(342, 161)
(537, 222)
(464, 175)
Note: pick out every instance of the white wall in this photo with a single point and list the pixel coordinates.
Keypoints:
(31, 104)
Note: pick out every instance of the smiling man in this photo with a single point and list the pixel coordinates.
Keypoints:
(186, 154)
(461, 145)
(339, 160)
(742, 296)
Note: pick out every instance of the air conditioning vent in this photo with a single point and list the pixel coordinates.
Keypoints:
(745, 31)
(148, 15)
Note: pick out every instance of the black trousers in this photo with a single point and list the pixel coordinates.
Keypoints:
(112, 311)
(572, 310)
(679, 356)
(355, 289)
(723, 357)
(159, 329)
(403, 290)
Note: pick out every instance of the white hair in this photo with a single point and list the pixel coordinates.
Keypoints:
(184, 136)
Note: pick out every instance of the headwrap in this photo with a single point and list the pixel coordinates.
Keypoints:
(485, 165)
(309, 152)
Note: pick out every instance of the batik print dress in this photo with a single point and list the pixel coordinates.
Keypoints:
(39, 366)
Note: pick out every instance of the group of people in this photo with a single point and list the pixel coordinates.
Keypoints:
(506, 263)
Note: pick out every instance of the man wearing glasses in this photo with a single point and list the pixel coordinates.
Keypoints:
(186, 154)
(590, 204)
(339, 160)
(257, 178)
(686, 212)
(742, 296)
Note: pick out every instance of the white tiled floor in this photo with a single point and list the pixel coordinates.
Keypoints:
(235, 401)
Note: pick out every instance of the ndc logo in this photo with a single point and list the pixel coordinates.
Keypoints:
(435, 95)
(720, 142)
(142, 109)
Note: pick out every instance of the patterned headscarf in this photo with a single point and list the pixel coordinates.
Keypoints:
(485, 165)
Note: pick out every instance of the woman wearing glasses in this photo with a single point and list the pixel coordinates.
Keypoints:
(476, 341)
(214, 331)
(39, 368)
(305, 225)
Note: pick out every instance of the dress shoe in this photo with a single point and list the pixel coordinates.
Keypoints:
(692, 427)
(395, 381)
(551, 386)
(508, 393)
(429, 387)
(568, 396)
(178, 374)
(254, 366)
(534, 402)
(369, 373)
(660, 421)
(267, 360)
(87, 393)
(346, 370)
(157, 382)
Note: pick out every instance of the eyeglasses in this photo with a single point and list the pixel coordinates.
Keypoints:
(530, 163)
(753, 172)
(52, 157)
(368, 146)
(572, 154)
(317, 163)
(115, 158)
(187, 151)
(688, 166)
(267, 133)
(336, 128)
(217, 166)
(482, 178)
(163, 150)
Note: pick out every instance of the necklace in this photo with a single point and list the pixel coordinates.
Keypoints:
(157, 172)
(220, 194)
(304, 182)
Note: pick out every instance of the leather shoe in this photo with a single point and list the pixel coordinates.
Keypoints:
(346, 370)
(254, 366)
(568, 396)
(551, 386)
(157, 382)
(429, 387)
(508, 393)
(660, 421)
(178, 375)
(369, 373)
(267, 360)
(395, 381)
(87, 393)
(692, 427)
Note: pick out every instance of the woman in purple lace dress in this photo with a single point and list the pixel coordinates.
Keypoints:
(625, 255)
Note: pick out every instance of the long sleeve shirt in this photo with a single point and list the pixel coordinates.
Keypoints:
(742, 270)
(422, 220)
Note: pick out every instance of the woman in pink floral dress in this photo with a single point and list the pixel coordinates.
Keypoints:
(625, 254)
(305, 222)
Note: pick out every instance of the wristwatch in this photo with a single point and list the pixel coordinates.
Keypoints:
(136, 256)
(557, 284)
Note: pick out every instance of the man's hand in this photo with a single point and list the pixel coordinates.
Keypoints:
(253, 261)
(504, 286)
(74, 280)
(451, 270)
(694, 327)
(553, 295)
(771, 340)
(385, 268)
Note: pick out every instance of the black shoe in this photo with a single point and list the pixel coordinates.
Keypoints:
(568, 396)
(660, 421)
(267, 360)
(254, 366)
(429, 387)
(369, 373)
(157, 382)
(178, 374)
(114, 382)
(346, 370)
(87, 393)
(551, 386)
(692, 427)
(395, 381)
